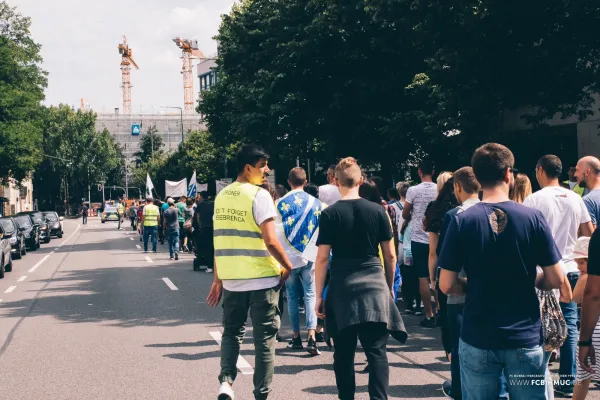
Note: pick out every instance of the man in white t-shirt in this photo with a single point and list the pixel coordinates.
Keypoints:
(250, 269)
(417, 199)
(568, 217)
(330, 194)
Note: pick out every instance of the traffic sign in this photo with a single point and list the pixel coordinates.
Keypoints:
(135, 129)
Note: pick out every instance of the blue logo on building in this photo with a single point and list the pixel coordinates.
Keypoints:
(135, 129)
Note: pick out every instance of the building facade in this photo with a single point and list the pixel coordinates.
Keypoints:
(129, 129)
(14, 199)
(207, 75)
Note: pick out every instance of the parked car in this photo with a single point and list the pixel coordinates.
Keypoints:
(5, 255)
(110, 214)
(15, 237)
(30, 230)
(39, 219)
(55, 222)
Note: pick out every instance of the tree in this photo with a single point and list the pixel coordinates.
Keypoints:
(77, 157)
(150, 145)
(22, 84)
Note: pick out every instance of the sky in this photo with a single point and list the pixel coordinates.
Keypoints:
(79, 45)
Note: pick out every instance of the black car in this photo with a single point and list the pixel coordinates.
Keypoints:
(30, 230)
(55, 223)
(15, 237)
(5, 255)
(40, 220)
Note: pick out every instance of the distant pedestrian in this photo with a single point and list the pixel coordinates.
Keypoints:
(417, 199)
(133, 215)
(84, 213)
(521, 188)
(588, 177)
(203, 233)
(181, 209)
(150, 222)
(329, 193)
(312, 189)
(280, 191)
(171, 229)
(188, 213)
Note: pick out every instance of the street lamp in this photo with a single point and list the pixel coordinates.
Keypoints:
(181, 112)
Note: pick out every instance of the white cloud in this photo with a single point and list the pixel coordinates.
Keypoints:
(80, 41)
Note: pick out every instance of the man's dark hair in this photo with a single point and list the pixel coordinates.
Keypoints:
(204, 194)
(490, 163)
(551, 165)
(392, 193)
(249, 154)
(297, 176)
(369, 191)
(404, 190)
(466, 179)
(331, 168)
(426, 166)
(312, 189)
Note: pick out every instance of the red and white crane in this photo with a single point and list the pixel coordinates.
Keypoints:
(189, 52)
(126, 63)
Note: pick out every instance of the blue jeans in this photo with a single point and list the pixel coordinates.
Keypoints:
(568, 351)
(301, 279)
(480, 370)
(455, 321)
(173, 240)
(150, 231)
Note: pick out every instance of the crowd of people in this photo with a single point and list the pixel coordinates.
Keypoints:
(499, 269)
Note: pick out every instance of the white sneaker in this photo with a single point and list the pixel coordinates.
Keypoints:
(226, 392)
(209, 270)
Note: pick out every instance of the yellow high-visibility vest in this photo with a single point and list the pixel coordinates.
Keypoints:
(151, 214)
(577, 189)
(240, 251)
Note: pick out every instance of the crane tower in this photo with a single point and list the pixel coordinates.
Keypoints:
(189, 52)
(126, 63)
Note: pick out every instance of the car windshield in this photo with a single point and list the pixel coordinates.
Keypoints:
(7, 224)
(24, 221)
(38, 217)
(110, 210)
(50, 216)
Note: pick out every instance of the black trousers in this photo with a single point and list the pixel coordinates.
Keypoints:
(373, 338)
(205, 247)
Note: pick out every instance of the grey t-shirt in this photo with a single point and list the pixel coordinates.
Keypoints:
(171, 216)
(592, 202)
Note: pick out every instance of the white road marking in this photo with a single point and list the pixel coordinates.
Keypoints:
(170, 284)
(130, 238)
(242, 364)
(0, 300)
(56, 248)
(21, 279)
(138, 246)
(38, 264)
(10, 289)
(67, 239)
(149, 259)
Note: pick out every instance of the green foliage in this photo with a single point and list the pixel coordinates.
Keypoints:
(150, 146)
(388, 81)
(22, 84)
(75, 156)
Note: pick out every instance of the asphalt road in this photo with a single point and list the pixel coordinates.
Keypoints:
(90, 316)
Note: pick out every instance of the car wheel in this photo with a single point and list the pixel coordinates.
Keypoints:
(38, 244)
(47, 240)
(59, 236)
(24, 250)
(103, 221)
(18, 255)
(9, 265)
(2, 268)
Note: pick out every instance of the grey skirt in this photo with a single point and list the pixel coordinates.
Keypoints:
(357, 294)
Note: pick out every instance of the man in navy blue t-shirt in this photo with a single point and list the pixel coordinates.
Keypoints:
(499, 243)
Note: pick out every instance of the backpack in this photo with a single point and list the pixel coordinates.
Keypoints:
(554, 326)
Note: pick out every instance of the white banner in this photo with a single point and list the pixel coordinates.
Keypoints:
(176, 189)
(221, 185)
(202, 187)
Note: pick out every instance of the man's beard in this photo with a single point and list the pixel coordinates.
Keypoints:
(582, 184)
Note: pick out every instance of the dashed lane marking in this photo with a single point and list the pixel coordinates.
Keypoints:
(10, 289)
(242, 364)
(149, 259)
(170, 284)
(130, 238)
(38, 263)
(138, 246)
(21, 279)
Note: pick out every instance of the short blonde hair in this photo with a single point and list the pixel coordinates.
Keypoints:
(522, 188)
(442, 179)
(348, 172)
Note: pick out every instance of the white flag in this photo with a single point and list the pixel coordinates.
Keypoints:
(176, 189)
(191, 192)
(149, 186)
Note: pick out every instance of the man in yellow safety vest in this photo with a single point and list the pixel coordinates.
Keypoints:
(150, 220)
(250, 268)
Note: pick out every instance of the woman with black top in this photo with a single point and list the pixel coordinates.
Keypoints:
(359, 303)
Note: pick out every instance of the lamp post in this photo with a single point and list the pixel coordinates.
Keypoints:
(181, 113)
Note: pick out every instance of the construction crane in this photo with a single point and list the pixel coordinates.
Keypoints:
(189, 52)
(126, 63)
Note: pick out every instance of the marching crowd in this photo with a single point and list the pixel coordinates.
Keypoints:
(499, 269)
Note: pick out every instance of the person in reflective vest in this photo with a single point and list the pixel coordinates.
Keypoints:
(151, 216)
(250, 269)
